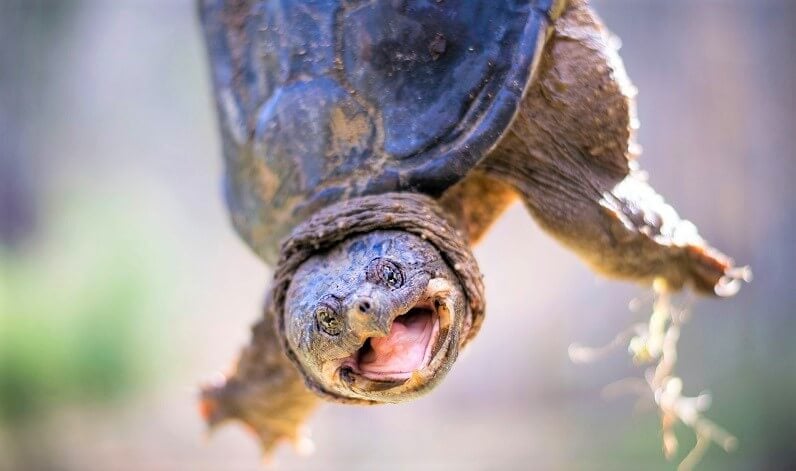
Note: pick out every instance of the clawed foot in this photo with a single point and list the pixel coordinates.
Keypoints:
(274, 410)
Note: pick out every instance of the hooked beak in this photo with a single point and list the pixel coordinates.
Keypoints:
(368, 321)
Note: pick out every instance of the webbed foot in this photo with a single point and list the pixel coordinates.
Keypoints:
(265, 392)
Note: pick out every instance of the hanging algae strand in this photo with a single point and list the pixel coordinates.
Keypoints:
(655, 344)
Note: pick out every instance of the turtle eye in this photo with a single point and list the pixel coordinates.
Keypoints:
(328, 320)
(385, 272)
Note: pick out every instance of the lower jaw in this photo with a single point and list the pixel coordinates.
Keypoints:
(392, 389)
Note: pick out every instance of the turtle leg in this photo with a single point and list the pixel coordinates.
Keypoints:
(476, 202)
(570, 154)
(264, 391)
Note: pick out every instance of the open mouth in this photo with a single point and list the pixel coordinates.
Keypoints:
(407, 348)
(413, 341)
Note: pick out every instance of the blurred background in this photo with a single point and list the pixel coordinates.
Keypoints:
(122, 285)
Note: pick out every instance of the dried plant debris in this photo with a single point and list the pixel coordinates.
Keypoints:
(654, 345)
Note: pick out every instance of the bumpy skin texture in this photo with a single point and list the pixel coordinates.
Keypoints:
(264, 390)
(267, 393)
(265, 398)
(570, 154)
(348, 282)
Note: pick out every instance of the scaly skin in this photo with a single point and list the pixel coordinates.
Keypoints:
(364, 284)
(569, 156)
(264, 391)
(570, 152)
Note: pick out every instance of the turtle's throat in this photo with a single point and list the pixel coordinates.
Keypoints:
(405, 349)
(415, 339)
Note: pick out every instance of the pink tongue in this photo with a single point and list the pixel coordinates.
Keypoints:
(403, 350)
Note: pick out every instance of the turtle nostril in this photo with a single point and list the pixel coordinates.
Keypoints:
(364, 307)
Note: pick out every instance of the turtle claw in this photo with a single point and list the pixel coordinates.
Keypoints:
(302, 443)
(712, 272)
(729, 284)
(665, 245)
(263, 391)
(274, 416)
(630, 232)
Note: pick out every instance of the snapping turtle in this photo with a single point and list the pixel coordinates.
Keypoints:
(369, 144)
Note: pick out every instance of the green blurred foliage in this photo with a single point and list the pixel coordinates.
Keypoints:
(74, 315)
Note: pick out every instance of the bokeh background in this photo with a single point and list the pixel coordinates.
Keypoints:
(122, 285)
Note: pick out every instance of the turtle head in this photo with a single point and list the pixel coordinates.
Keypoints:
(376, 318)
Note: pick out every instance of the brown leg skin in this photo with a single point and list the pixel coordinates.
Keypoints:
(476, 202)
(265, 391)
(570, 155)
